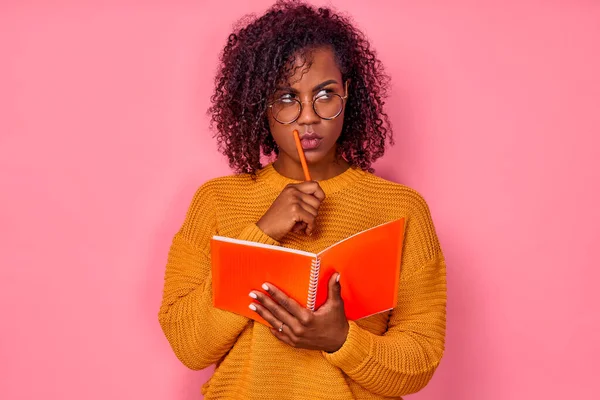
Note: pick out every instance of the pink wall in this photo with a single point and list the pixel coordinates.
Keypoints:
(103, 140)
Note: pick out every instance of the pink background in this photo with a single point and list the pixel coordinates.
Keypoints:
(103, 140)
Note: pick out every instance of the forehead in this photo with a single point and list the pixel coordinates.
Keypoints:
(314, 67)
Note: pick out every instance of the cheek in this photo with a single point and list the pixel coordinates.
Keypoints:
(334, 128)
(282, 134)
(273, 127)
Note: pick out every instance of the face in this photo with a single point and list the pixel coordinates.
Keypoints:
(318, 136)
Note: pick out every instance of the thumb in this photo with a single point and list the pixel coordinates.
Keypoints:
(335, 289)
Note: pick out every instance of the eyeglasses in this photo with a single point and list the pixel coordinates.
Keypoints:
(327, 106)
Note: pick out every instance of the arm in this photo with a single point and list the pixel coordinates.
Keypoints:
(403, 360)
(199, 333)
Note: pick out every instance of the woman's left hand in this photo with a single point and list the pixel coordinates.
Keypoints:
(325, 329)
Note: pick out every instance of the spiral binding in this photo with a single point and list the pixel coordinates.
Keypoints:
(312, 286)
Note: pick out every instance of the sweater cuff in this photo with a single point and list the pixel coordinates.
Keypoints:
(253, 233)
(354, 351)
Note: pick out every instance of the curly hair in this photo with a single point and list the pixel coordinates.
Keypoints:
(259, 54)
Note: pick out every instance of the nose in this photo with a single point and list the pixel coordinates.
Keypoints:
(308, 115)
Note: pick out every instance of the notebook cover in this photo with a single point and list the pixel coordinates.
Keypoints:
(369, 266)
(239, 268)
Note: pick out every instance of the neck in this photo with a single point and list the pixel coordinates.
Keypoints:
(319, 171)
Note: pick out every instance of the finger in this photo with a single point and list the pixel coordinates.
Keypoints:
(308, 207)
(311, 187)
(290, 305)
(319, 194)
(309, 199)
(276, 310)
(284, 336)
(301, 215)
(308, 228)
(265, 314)
(299, 227)
(335, 288)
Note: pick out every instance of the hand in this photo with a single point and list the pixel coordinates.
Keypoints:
(325, 329)
(295, 209)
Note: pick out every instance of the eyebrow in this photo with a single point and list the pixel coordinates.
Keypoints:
(315, 89)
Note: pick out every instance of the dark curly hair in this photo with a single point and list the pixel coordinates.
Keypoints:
(259, 55)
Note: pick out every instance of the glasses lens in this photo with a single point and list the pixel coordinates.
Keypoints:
(286, 110)
(329, 105)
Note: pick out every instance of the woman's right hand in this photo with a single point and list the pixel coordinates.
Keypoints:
(295, 209)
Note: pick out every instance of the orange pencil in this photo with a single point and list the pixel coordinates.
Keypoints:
(301, 154)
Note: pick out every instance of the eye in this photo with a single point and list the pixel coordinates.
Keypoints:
(324, 94)
(286, 98)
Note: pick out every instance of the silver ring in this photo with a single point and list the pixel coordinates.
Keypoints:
(281, 328)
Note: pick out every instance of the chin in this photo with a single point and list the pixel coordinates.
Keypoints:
(316, 156)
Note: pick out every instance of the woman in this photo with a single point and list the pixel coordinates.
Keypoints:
(300, 68)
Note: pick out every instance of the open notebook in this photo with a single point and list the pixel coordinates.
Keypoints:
(369, 264)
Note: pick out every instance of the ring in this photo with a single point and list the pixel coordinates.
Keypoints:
(281, 328)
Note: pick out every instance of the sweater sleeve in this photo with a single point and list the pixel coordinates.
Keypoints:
(199, 334)
(404, 358)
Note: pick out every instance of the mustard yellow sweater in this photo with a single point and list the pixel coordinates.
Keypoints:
(385, 356)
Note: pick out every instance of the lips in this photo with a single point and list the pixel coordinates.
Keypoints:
(310, 141)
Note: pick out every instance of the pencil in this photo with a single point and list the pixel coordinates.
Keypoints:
(301, 154)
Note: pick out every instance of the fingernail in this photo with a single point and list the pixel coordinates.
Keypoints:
(264, 286)
(252, 307)
(253, 295)
(338, 278)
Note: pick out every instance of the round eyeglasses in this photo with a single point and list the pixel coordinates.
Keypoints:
(327, 106)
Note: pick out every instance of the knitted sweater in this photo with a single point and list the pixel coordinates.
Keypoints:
(386, 355)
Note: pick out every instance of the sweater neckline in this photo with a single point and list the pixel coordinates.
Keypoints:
(270, 175)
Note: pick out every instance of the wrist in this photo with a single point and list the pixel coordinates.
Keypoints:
(266, 231)
(342, 337)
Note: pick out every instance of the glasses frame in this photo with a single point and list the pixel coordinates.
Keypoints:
(270, 106)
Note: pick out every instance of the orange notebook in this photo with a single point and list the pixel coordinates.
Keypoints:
(369, 264)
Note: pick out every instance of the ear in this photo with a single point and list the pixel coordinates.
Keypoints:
(346, 95)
